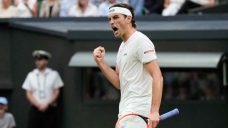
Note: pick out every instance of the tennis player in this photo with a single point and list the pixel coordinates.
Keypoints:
(137, 72)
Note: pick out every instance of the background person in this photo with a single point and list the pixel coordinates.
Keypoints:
(42, 86)
(6, 118)
(50, 8)
(27, 9)
(83, 8)
(7, 10)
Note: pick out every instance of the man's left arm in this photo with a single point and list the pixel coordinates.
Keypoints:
(55, 96)
(58, 84)
(157, 86)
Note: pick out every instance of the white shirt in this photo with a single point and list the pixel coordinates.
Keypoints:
(43, 84)
(8, 13)
(65, 6)
(91, 10)
(23, 11)
(7, 121)
(135, 80)
(104, 8)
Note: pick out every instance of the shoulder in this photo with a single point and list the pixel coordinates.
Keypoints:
(9, 115)
(52, 71)
(142, 38)
(32, 73)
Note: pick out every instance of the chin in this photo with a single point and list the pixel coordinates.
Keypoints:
(117, 36)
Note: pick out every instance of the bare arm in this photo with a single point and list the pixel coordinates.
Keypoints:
(110, 74)
(55, 96)
(166, 3)
(31, 99)
(154, 70)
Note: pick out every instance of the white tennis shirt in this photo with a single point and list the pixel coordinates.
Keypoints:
(135, 80)
(42, 84)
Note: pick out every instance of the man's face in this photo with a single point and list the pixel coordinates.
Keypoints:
(118, 23)
(41, 63)
(2, 108)
(83, 3)
(5, 3)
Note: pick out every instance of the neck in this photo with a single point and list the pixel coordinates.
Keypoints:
(42, 69)
(2, 113)
(82, 7)
(128, 34)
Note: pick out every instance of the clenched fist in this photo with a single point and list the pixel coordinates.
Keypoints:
(99, 54)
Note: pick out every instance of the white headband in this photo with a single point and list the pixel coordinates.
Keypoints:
(120, 10)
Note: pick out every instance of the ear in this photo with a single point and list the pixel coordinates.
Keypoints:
(129, 18)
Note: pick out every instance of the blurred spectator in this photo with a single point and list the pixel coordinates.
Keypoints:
(104, 7)
(83, 8)
(187, 5)
(97, 2)
(42, 88)
(138, 6)
(7, 10)
(153, 7)
(173, 7)
(27, 8)
(6, 118)
(50, 8)
(65, 6)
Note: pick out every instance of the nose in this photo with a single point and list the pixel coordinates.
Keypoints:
(111, 21)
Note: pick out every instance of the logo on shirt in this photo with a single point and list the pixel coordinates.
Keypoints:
(148, 51)
(125, 54)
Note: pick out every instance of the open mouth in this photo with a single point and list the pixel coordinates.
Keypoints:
(114, 29)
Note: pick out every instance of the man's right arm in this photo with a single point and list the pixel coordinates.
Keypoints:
(110, 74)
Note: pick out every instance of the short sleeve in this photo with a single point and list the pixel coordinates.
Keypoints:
(12, 123)
(146, 51)
(27, 84)
(58, 81)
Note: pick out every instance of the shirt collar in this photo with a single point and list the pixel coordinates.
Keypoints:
(47, 70)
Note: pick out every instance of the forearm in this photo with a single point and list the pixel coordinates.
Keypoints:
(54, 97)
(156, 93)
(32, 99)
(110, 74)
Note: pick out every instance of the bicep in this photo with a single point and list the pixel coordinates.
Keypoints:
(153, 68)
(29, 94)
(56, 91)
(117, 70)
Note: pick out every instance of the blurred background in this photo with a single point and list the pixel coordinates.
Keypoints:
(191, 40)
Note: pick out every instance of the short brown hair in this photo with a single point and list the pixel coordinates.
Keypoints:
(129, 8)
